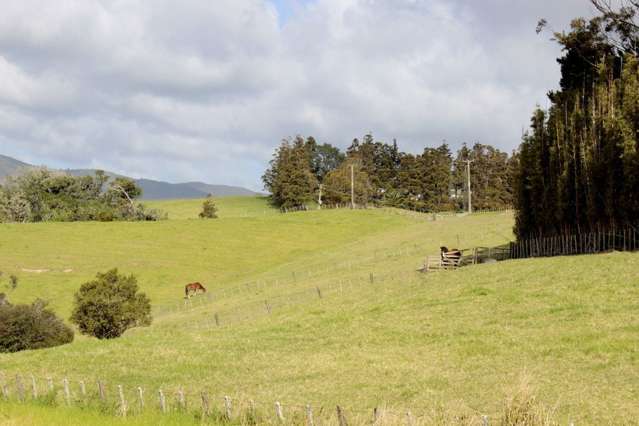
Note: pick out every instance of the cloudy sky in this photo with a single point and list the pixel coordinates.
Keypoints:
(205, 89)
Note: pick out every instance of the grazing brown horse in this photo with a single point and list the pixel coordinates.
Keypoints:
(194, 288)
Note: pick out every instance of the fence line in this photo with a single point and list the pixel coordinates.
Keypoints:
(307, 207)
(135, 400)
(292, 277)
(600, 241)
(267, 305)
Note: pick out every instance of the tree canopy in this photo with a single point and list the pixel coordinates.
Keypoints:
(384, 175)
(42, 195)
(578, 165)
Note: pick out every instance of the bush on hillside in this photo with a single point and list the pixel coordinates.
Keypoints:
(32, 326)
(41, 195)
(109, 305)
(209, 210)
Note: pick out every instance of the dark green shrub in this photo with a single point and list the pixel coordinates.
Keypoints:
(209, 211)
(109, 305)
(30, 327)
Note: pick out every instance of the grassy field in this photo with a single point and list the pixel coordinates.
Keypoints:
(227, 207)
(382, 335)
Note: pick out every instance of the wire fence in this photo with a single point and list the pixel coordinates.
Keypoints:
(205, 404)
(310, 272)
(599, 241)
(398, 210)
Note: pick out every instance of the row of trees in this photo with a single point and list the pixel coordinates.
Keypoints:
(579, 163)
(42, 195)
(383, 175)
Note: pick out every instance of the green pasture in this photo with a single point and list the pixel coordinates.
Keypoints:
(227, 207)
(381, 335)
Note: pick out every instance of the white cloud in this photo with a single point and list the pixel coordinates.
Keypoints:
(205, 90)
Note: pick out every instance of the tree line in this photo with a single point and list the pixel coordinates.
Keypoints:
(578, 165)
(435, 180)
(42, 195)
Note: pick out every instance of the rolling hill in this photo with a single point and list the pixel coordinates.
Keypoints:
(151, 189)
(325, 308)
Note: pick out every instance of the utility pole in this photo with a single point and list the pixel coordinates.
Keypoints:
(319, 200)
(470, 202)
(352, 187)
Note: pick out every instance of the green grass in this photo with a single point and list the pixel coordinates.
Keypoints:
(227, 207)
(38, 414)
(454, 342)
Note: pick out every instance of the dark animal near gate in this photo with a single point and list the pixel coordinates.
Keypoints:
(451, 255)
(194, 288)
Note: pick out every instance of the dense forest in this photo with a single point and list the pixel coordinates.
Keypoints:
(579, 163)
(382, 175)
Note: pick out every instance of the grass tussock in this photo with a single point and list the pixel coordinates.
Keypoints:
(522, 408)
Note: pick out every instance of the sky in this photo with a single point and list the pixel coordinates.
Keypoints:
(205, 90)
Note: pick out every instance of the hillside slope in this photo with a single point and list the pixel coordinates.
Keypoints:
(380, 335)
(10, 166)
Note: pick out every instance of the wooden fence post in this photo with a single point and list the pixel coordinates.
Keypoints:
(162, 400)
(278, 412)
(34, 387)
(50, 387)
(19, 388)
(123, 404)
(484, 420)
(5, 390)
(101, 391)
(217, 319)
(341, 417)
(181, 399)
(140, 398)
(83, 388)
(227, 407)
(67, 393)
(309, 416)
(319, 292)
(205, 404)
(409, 418)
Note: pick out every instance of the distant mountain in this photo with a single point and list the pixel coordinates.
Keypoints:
(156, 190)
(10, 166)
(151, 189)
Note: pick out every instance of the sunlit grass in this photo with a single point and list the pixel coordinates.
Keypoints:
(456, 342)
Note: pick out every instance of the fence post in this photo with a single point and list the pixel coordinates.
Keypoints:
(205, 404)
(341, 418)
(123, 404)
(181, 399)
(67, 393)
(309, 416)
(101, 391)
(50, 384)
(19, 388)
(162, 401)
(484, 420)
(227, 408)
(140, 398)
(83, 388)
(278, 412)
(5, 390)
(409, 418)
(319, 292)
(34, 387)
